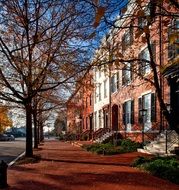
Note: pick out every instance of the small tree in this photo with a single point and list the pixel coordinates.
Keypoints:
(40, 44)
(5, 121)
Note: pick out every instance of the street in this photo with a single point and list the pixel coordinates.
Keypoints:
(9, 150)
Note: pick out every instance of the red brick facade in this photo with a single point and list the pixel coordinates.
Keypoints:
(137, 92)
(87, 113)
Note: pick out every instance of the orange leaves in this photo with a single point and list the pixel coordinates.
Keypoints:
(138, 2)
(173, 37)
(138, 34)
(146, 29)
(99, 14)
(140, 13)
(95, 2)
(123, 10)
(119, 54)
(5, 121)
(143, 39)
(166, 23)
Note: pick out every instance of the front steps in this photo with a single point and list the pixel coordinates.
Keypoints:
(160, 147)
(105, 137)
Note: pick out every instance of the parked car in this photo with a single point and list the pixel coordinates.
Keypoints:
(10, 137)
(3, 137)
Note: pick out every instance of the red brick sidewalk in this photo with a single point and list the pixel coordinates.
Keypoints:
(66, 167)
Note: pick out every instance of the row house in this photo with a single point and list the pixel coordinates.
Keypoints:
(87, 111)
(80, 108)
(125, 96)
(74, 112)
(126, 99)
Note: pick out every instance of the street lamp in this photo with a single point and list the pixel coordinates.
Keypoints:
(168, 107)
(143, 113)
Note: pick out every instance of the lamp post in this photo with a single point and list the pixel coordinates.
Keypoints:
(168, 106)
(167, 127)
(143, 113)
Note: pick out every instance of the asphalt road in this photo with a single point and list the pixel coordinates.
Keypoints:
(9, 150)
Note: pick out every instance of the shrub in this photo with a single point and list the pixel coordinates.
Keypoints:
(129, 145)
(84, 137)
(140, 160)
(110, 149)
(69, 137)
(166, 168)
(106, 149)
(116, 139)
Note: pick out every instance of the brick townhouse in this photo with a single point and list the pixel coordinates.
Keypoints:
(80, 108)
(133, 107)
(125, 100)
(74, 112)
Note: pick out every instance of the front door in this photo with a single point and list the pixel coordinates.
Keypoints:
(105, 112)
(91, 122)
(115, 118)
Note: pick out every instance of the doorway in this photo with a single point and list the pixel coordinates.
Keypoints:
(115, 117)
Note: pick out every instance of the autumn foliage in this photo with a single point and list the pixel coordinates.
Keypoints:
(5, 121)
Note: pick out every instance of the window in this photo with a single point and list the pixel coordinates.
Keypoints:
(100, 118)
(90, 99)
(99, 71)
(83, 123)
(127, 38)
(86, 122)
(114, 82)
(142, 20)
(173, 45)
(128, 114)
(105, 88)
(99, 92)
(126, 74)
(144, 66)
(148, 103)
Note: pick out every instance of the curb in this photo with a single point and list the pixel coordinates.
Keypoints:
(12, 162)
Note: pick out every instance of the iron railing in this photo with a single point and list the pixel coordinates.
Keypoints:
(171, 138)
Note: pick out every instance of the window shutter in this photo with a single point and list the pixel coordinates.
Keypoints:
(132, 112)
(141, 64)
(153, 107)
(131, 33)
(117, 80)
(139, 108)
(123, 77)
(124, 113)
(132, 70)
(123, 44)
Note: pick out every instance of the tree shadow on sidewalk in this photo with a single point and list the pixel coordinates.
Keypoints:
(84, 162)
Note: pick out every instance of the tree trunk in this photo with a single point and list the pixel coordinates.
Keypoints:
(29, 150)
(35, 129)
(40, 128)
(41, 132)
